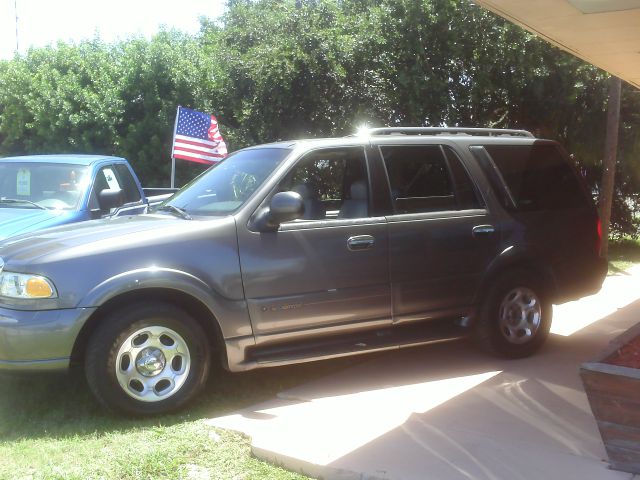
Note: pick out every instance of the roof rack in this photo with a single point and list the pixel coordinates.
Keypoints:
(491, 132)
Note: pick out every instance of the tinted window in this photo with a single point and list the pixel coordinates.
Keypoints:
(419, 178)
(106, 179)
(466, 194)
(333, 183)
(538, 176)
(131, 192)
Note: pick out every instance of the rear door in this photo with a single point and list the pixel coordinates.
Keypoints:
(441, 235)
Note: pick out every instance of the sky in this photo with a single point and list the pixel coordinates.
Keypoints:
(43, 22)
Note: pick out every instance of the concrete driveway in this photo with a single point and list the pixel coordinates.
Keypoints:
(449, 411)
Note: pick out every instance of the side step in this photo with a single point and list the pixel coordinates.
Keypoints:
(355, 343)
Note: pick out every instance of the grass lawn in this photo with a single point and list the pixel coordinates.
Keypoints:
(623, 253)
(51, 428)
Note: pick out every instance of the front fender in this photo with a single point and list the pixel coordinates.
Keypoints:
(232, 315)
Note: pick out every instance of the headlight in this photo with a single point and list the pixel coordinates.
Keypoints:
(21, 285)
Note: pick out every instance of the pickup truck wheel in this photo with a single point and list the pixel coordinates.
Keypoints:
(515, 317)
(147, 359)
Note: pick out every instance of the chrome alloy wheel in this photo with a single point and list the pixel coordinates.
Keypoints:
(520, 315)
(152, 364)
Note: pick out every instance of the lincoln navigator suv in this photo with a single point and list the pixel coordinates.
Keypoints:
(306, 250)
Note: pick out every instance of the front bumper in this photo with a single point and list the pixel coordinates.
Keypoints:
(39, 340)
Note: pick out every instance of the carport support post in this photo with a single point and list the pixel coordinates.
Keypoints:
(609, 163)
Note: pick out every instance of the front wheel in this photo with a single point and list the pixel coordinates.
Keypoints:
(515, 316)
(147, 359)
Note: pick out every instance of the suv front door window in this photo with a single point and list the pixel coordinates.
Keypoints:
(332, 183)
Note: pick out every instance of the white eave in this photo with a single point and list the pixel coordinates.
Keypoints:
(605, 33)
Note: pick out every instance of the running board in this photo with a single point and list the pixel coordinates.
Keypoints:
(333, 346)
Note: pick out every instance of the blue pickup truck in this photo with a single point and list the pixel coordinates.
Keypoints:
(42, 191)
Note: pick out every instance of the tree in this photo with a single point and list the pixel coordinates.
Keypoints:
(282, 69)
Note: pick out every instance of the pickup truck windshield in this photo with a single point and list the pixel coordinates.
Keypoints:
(52, 186)
(225, 187)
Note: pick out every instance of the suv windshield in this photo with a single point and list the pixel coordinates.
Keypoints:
(226, 186)
(56, 186)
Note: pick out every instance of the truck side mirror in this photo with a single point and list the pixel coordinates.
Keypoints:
(110, 198)
(284, 207)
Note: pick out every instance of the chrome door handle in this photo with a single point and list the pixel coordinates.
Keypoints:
(483, 230)
(360, 242)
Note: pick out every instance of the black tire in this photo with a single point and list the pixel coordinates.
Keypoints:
(502, 329)
(110, 367)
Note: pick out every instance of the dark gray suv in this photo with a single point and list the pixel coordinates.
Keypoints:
(306, 250)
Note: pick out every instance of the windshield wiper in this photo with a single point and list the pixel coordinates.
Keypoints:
(16, 200)
(177, 210)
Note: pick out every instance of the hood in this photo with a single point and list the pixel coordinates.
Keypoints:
(16, 221)
(99, 236)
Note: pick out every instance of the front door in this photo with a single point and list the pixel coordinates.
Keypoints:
(327, 270)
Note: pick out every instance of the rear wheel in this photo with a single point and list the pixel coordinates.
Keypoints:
(515, 317)
(147, 359)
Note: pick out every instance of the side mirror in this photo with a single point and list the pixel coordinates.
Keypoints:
(110, 198)
(284, 207)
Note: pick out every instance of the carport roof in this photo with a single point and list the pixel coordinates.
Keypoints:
(605, 33)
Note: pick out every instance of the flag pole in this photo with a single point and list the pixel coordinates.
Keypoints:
(173, 144)
(15, 6)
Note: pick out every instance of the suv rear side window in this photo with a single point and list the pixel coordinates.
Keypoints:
(466, 194)
(538, 177)
(422, 179)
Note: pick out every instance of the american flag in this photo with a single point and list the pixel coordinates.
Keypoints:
(197, 137)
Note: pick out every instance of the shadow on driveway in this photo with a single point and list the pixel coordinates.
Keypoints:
(449, 411)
